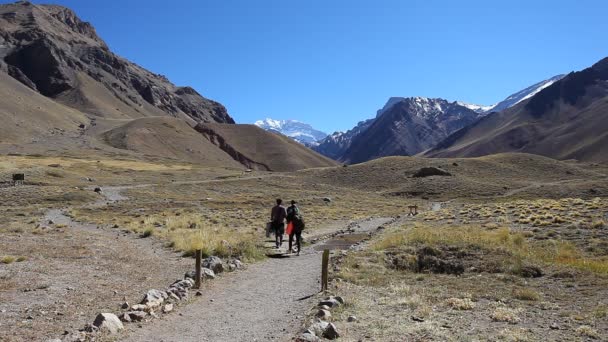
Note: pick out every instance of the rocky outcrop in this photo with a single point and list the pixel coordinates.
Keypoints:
(49, 49)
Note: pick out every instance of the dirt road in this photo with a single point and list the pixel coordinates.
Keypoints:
(265, 302)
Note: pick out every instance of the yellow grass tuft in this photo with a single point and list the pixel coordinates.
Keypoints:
(585, 330)
(504, 314)
(526, 294)
(7, 259)
(460, 304)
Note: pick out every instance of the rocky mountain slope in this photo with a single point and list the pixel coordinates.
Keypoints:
(336, 144)
(62, 91)
(298, 131)
(50, 50)
(408, 127)
(567, 119)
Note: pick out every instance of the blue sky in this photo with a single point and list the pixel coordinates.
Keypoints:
(334, 63)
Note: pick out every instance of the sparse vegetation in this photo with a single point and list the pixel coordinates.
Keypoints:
(526, 294)
(7, 259)
(504, 314)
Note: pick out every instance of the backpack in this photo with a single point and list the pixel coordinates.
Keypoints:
(293, 215)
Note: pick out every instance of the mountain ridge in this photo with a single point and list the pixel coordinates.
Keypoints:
(565, 120)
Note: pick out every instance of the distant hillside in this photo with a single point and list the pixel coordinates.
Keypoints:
(168, 138)
(566, 120)
(262, 150)
(510, 174)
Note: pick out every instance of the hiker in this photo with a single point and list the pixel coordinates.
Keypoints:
(277, 217)
(295, 225)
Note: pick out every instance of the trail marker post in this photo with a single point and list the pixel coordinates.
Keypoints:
(324, 270)
(197, 272)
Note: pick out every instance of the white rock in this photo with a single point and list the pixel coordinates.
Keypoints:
(168, 308)
(318, 328)
(108, 322)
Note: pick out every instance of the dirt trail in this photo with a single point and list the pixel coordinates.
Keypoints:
(265, 302)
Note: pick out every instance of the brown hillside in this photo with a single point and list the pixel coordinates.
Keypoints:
(27, 116)
(511, 174)
(262, 150)
(168, 138)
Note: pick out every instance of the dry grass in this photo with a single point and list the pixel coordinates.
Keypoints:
(504, 239)
(587, 331)
(7, 259)
(504, 314)
(190, 232)
(460, 303)
(526, 294)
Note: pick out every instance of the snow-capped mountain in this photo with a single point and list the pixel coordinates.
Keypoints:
(334, 145)
(434, 112)
(298, 131)
(475, 107)
(407, 126)
(525, 94)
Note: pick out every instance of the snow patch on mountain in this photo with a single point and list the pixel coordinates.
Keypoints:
(297, 130)
(525, 94)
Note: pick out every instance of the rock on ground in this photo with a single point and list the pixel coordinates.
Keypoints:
(108, 322)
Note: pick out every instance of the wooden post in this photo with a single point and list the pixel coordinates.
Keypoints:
(324, 270)
(197, 272)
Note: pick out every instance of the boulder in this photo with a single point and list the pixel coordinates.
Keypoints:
(154, 298)
(307, 337)
(139, 307)
(136, 316)
(318, 328)
(351, 318)
(331, 303)
(108, 322)
(331, 332)
(339, 299)
(214, 263)
(323, 314)
(206, 273)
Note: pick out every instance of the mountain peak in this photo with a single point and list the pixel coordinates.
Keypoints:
(297, 130)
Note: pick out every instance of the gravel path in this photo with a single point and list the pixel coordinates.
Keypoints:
(265, 302)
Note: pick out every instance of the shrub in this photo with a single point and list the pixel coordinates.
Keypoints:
(147, 232)
(588, 331)
(526, 294)
(7, 259)
(460, 304)
(598, 224)
(503, 314)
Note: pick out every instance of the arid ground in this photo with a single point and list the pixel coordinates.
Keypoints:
(508, 247)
